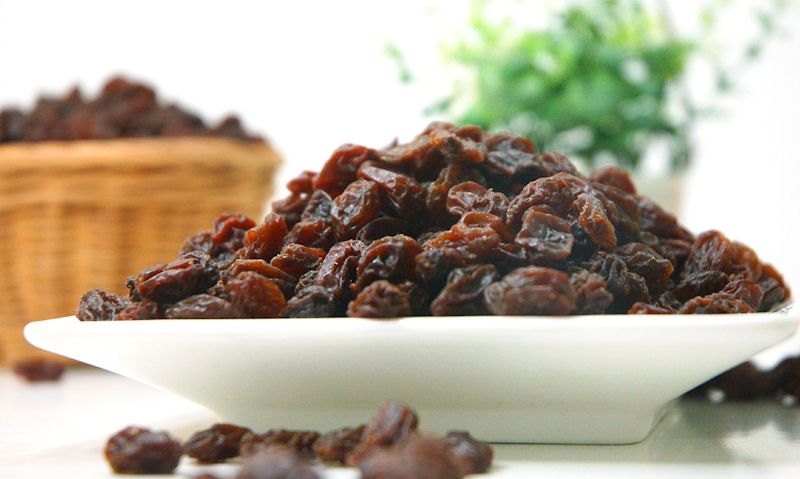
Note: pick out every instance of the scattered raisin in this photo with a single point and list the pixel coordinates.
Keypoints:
(215, 444)
(301, 442)
(392, 423)
(472, 455)
(276, 462)
(36, 370)
(418, 457)
(137, 450)
(336, 445)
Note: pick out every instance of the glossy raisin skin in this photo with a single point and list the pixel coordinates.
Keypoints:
(136, 450)
(463, 293)
(418, 457)
(215, 444)
(191, 273)
(531, 290)
(380, 299)
(472, 455)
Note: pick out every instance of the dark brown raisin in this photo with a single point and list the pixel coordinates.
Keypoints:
(644, 261)
(472, 455)
(319, 206)
(475, 219)
(202, 306)
(616, 177)
(100, 305)
(229, 230)
(403, 195)
(774, 288)
(291, 208)
(418, 457)
(463, 293)
(392, 423)
(215, 444)
(745, 290)
(592, 295)
(312, 232)
(340, 170)
(717, 303)
(301, 442)
(144, 309)
(390, 258)
(700, 284)
(35, 370)
(626, 286)
(311, 302)
(282, 280)
(384, 226)
(296, 260)
(137, 450)
(199, 242)
(546, 237)
(265, 240)
(380, 299)
(191, 273)
(470, 196)
(644, 308)
(436, 196)
(358, 204)
(336, 445)
(254, 296)
(531, 290)
(302, 183)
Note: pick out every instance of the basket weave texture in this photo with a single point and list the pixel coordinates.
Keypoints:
(86, 214)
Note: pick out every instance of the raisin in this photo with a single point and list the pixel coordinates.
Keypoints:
(773, 287)
(301, 442)
(319, 206)
(336, 445)
(711, 251)
(471, 244)
(265, 240)
(418, 457)
(254, 296)
(471, 196)
(717, 303)
(403, 194)
(229, 230)
(745, 290)
(393, 423)
(700, 284)
(291, 208)
(282, 280)
(215, 444)
(137, 450)
(311, 302)
(616, 177)
(509, 256)
(418, 296)
(312, 232)
(546, 237)
(390, 258)
(296, 260)
(472, 455)
(144, 309)
(475, 219)
(743, 382)
(199, 242)
(436, 196)
(659, 222)
(380, 299)
(626, 286)
(36, 370)
(302, 183)
(340, 170)
(100, 305)
(463, 293)
(644, 261)
(201, 306)
(785, 377)
(276, 462)
(531, 290)
(191, 273)
(592, 295)
(358, 204)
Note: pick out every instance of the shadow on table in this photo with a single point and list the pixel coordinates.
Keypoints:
(693, 431)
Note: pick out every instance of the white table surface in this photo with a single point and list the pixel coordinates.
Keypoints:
(58, 430)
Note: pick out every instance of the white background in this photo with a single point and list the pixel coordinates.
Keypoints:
(313, 75)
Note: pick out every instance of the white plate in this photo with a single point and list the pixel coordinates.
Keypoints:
(583, 379)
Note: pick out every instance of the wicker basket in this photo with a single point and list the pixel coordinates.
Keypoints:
(81, 215)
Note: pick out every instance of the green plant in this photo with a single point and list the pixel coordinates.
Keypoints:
(600, 83)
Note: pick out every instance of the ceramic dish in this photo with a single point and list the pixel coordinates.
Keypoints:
(584, 379)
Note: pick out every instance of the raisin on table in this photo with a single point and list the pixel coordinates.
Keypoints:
(215, 444)
(276, 462)
(393, 423)
(418, 457)
(472, 455)
(36, 370)
(137, 450)
(336, 445)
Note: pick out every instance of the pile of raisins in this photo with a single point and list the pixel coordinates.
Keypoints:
(456, 222)
(123, 109)
(389, 446)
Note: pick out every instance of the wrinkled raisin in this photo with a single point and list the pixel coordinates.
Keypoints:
(390, 258)
(191, 273)
(312, 232)
(471, 196)
(296, 260)
(403, 194)
(340, 170)
(336, 445)
(265, 240)
(419, 458)
(392, 423)
(546, 237)
(463, 293)
(254, 296)
(215, 444)
(318, 207)
(100, 305)
(144, 309)
(137, 450)
(301, 442)
(380, 299)
(616, 177)
(717, 303)
(531, 290)
(592, 295)
(358, 204)
(311, 302)
(202, 306)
